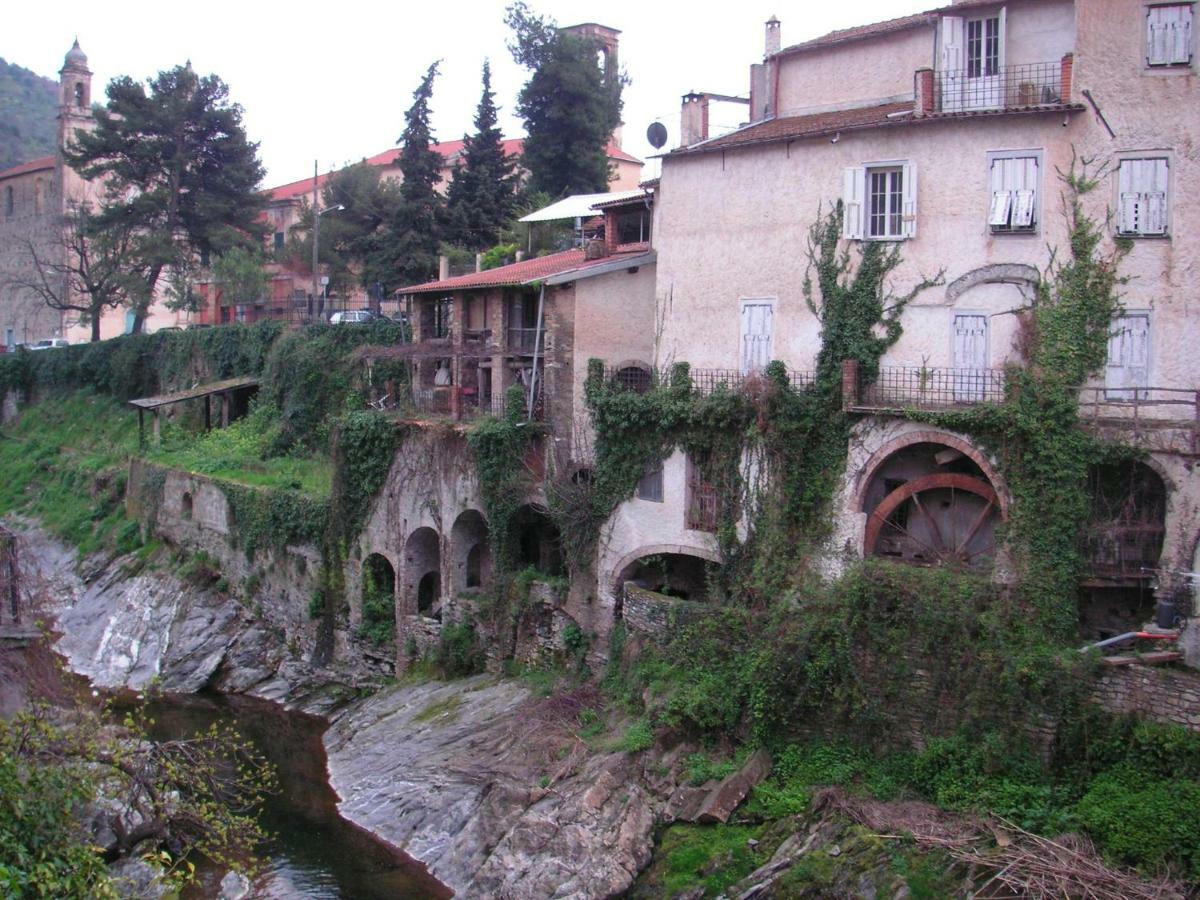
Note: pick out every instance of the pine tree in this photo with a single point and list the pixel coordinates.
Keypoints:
(178, 170)
(482, 191)
(569, 107)
(417, 225)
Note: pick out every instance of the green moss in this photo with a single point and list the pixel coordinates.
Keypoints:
(444, 710)
(712, 857)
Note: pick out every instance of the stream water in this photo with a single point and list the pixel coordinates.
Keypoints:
(314, 852)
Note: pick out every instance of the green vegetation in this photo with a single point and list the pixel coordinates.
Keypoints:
(714, 858)
(499, 447)
(28, 107)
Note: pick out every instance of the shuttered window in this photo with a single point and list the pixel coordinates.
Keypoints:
(757, 326)
(1169, 34)
(1013, 181)
(1142, 199)
(879, 201)
(650, 485)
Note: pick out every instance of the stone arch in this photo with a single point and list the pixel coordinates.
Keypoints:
(629, 560)
(1127, 525)
(930, 499)
(378, 598)
(633, 375)
(422, 574)
(1020, 274)
(470, 552)
(186, 505)
(952, 441)
(80, 94)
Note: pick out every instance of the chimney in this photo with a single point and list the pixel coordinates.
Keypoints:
(693, 119)
(773, 36)
(443, 268)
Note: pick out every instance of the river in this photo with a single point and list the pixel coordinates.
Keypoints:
(314, 852)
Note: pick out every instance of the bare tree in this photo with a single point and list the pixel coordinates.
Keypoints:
(83, 268)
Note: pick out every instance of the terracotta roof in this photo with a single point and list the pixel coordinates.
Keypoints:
(801, 126)
(34, 165)
(448, 149)
(526, 271)
(858, 32)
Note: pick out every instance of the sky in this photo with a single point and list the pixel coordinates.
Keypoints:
(331, 82)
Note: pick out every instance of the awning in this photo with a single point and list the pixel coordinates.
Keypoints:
(578, 206)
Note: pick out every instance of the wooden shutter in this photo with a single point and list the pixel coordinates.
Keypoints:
(1022, 215)
(1154, 177)
(1001, 204)
(953, 62)
(1002, 38)
(1127, 198)
(756, 336)
(969, 356)
(853, 185)
(908, 209)
(1128, 363)
(1169, 35)
(1183, 36)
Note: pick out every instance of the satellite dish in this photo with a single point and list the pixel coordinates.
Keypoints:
(656, 134)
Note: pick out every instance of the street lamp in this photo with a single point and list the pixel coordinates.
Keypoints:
(317, 213)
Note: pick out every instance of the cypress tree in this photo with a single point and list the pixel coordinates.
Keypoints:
(417, 225)
(482, 191)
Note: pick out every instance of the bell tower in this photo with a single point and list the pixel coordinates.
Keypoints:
(74, 95)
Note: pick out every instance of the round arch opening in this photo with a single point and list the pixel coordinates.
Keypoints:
(423, 573)
(537, 542)
(378, 599)
(471, 553)
(930, 503)
(686, 576)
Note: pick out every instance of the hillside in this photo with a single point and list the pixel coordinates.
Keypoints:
(28, 105)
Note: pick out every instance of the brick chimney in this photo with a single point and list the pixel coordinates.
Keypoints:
(693, 119)
(773, 36)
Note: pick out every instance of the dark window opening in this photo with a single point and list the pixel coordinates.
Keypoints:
(650, 486)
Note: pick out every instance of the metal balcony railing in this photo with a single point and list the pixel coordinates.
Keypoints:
(524, 340)
(922, 387)
(703, 381)
(1006, 87)
(1156, 418)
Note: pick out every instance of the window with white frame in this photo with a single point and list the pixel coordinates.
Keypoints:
(1013, 182)
(879, 201)
(983, 47)
(650, 485)
(1169, 34)
(1142, 196)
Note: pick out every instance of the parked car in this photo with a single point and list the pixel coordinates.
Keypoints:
(48, 344)
(352, 316)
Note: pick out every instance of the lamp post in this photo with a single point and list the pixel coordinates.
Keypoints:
(317, 213)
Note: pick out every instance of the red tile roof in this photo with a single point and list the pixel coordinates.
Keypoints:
(449, 150)
(34, 165)
(801, 126)
(524, 272)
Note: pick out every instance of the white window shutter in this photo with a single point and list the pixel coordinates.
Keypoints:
(1156, 37)
(853, 187)
(952, 31)
(908, 219)
(1002, 36)
(1022, 215)
(998, 214)
(1183, 36)
(1153, 209)
(1127, 198)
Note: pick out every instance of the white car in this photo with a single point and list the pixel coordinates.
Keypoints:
(352, 316)
(48, 344)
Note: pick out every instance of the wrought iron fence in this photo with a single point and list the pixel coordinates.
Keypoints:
(641, 378)
(524, 340)
(457, 403)
(1167, 419)
(1004, 87)
(922, 387)
(1120, 550)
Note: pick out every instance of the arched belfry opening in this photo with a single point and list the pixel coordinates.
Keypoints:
(931, 504)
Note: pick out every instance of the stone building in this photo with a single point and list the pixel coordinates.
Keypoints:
(943, 133)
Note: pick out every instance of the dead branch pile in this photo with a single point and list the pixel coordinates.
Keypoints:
(1005, 860)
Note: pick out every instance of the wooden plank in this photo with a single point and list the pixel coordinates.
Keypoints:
(1155, 658)
(204, 390)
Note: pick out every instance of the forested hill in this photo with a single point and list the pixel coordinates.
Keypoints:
(28, 105)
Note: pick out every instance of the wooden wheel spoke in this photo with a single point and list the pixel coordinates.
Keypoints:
(975, 526)
(912, 537)
(937, 530)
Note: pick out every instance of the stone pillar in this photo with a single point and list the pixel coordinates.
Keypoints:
(849, 383)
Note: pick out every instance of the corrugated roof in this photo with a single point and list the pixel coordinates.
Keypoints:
(577, 206)
(526, 271)
(34, 165)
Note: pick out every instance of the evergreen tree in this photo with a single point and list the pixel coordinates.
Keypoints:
(178, 169)
(417, 225)
(483, 189)
(569, 107)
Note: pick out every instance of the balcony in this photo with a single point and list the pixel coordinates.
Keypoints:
(525, 340)
(1163, 420)
(922, 388)
(702, 381)
(464, 403)
(1021, 87)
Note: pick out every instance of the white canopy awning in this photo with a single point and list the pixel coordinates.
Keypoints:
(578, 206)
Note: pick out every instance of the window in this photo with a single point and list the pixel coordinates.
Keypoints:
(1127, 370)
(983, 47)
(279, 240)
(1142, 201)
(1169, 34)
(443, 309)
(8, 201)
(650, 485)
(757, 326)
(1014, 191)
(880, 201)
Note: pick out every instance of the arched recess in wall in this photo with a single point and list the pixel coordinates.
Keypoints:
(378, 579)
(470, 552)
(670, 569)
(633, 375)
(423, 574)
(537, 542)
(185, 505)
(931, 499)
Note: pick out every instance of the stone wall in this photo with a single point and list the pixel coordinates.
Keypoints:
(655, 615)
(1161, 695)
(192, 511)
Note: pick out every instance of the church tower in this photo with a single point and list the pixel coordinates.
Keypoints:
(74, 114)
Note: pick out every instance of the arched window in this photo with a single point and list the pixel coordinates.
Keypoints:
(80, 98)
(185, 505)
(8, 201)
(39, 189)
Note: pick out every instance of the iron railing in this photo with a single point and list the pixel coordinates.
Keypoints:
(1124, 550)
(1157, 418)
(1005, 87)
(524, 340)
(639, 378)
(454, 402)
(922, 387)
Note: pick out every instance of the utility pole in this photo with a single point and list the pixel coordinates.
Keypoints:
(316, 235)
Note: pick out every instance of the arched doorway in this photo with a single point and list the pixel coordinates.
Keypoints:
(470, 554)
(537, 541)
(1122, 545)
(423, 573)
(930, 503)
(683, 575)
(378, 599)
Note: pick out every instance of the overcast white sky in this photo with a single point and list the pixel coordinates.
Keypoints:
(331, 81)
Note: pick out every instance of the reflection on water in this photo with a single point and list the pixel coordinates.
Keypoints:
(314, 852)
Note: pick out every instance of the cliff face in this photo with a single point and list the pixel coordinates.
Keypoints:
(28, 105)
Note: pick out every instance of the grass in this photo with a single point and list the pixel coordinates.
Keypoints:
(241, 453)
(64, 463)
(445, 709)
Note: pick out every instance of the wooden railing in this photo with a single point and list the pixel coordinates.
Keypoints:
(1157, 418)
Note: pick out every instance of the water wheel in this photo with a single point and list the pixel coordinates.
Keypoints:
(943, 519)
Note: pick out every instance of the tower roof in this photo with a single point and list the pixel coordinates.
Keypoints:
(75, 58)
